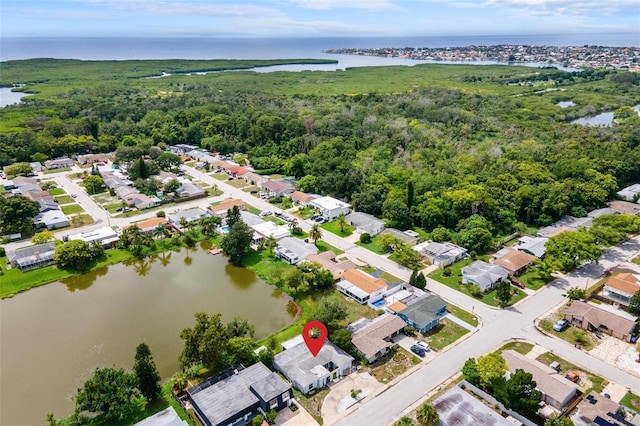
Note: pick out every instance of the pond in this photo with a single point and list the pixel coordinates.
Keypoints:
(566, 104)
(54, 336)
(604, 119)
(7, 97)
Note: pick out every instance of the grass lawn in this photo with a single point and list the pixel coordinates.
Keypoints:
(453, 281)
(636, 260)
(304, 212)
(56, 191)
(334, 228)
(444, 334)
(251, 188)
(465, 316)
(238, 183)
(63, 169)
(521, 347)
(71, 209)
(390, 279)
(80, 220)
(597, 382)
(312, 402)
(572, 335)
(632, 401)
(323, 246)
(15, 281)
(393, 364)
(220, 176)
(64, 199)
(372, 246)
(533, 280)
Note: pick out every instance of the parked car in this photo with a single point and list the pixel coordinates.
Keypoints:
(253, 191)
(572, 376)
(265, 213)
(517, 283)
(418, 350)
(74, 196)
(423, 345)
(560, 325)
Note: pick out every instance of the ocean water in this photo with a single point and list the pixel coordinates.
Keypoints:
(88, 48)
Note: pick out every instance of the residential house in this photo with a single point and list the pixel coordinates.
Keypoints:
(35, 167)
(598, 410)
(294, 250)
(39, 195)
(181, 148)
(93, 158)
(221, 209)
(279, 187)
(620, 288)
(424, 314)
(237, 170)
(483, 274)
(166, 417)
(251, 219)
(32, 257)
(60, 163)
(236, 396)
(25, 188)
(268, 229)
(255, 179)
(302, 198)
(408, 237)
(149, 226)
(19, 181)
(328, 261)
(566, 223)
(535, 246)
(143, 201)
(630, 193)
(515, 262)
(190, 190)
(601, 212)
(113, 182)
(307, 372)
(48, 205)
(373, 338)
(329, 207)
(51, 219)
(557, 391)
(125, 191)
(461, 408)
(625, 207)
(365, 223)
(593, 318)
(106, 236)
(361, 286)
(191, 215)
(441, 254)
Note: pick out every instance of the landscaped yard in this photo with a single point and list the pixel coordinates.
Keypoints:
(334, 228)
(573, 335)
(454, 281)
(220, 176)
(533, 280)
(521, 347)
(71, 209)
(80, 220)
(390, 279)
(392, 365)
(372, 246)
(304, 212)
(64, 199)
(56, 191)
(444, 334)
(465, 316)
(323, 246)
(632, 401)
(597, 383)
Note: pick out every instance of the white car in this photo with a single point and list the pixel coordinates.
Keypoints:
(265, 213)
(423, 345)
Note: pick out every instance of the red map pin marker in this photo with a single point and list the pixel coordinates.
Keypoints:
(314, 338)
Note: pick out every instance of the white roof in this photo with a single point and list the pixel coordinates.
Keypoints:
(99, 234)
(629, 192)
(353, 289)
(329, 203)
(270, 229)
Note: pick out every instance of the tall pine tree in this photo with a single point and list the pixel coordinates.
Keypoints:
(146, 372)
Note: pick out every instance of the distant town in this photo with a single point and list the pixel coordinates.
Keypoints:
(579, 57)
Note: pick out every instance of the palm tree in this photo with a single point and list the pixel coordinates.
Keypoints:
(161, 231)
(427, 415)
(315, 233)
(270, 242)
(184, 223)
(208, 225)
(293, 224)
(342, 222)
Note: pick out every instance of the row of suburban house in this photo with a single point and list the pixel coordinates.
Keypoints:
(50, 215)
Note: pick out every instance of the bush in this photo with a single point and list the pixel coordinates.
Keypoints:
(3, 252)
(365, 238)
(447, 272)
(475, 291)
(161, 213)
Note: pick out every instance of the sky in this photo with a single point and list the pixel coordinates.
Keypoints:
(315, 18)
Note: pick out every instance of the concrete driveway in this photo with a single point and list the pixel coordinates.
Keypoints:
(339, 398)
(405, 342)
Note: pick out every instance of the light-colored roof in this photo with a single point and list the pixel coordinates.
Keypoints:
(402, 236)
(295, 248)
(371, 339)
(227, 204)
(250, 219)
(601, 212)
(191, 214)
(625, 207)
(364, 281)
(515, 260)
(100, 234)
(329, 203)
(278, 186)
(547, 379)
(147, 224)
(166, 417)
(301, 197)
(630, 191)
(441, 251)
(270, 229)
(483, 273)
(31, 251)
(595, 406)
(397, 307)
(597, 317)
(533, 245)
(624, 282)
(363, 219)
(51, 217)
(299, 365)
(457, 407)
(327, 260)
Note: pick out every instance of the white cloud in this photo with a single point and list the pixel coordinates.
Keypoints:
(343, 4)
(593, 8)
(184, 8)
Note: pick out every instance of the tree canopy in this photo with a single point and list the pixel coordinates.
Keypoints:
(110, 392)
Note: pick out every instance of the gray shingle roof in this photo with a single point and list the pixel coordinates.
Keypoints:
(423, 311)
(26, 252)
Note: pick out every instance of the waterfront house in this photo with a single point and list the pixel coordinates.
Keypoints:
(593, 318)
(424, 314)
(33, 257)
(328, 261)
(166, 417)
(225, 205)
(329, 207)
(268, 229)
(441, 254)
(307, 372)
(192, 215)
(236, 396)
(106, 236)
(557, 391)
(484, 275)
(361, 286)
(149, 226)
(294, 250)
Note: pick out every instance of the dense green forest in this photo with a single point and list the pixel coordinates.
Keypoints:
(428, 145)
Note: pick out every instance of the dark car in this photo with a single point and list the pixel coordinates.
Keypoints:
(517, 283)
(418, 350)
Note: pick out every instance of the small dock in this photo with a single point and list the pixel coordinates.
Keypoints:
(214, 251)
